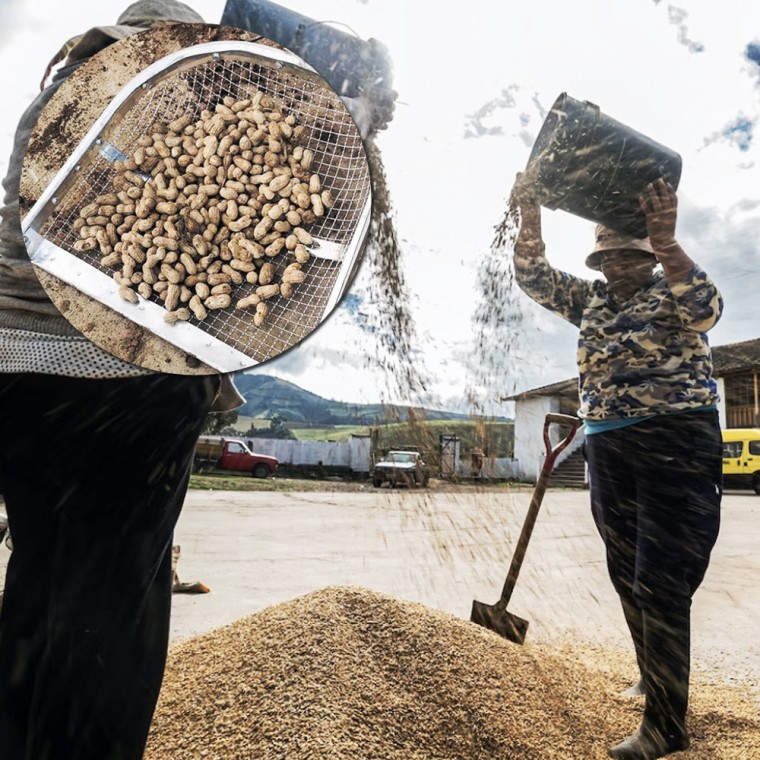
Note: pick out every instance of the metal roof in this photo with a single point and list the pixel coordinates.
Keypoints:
(736, 357)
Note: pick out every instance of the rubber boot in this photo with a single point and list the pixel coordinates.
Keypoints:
(666, 683)
(637, 690)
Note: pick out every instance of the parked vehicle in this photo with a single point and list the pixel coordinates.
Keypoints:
(401, 468)
(232, 454)
(741, 458)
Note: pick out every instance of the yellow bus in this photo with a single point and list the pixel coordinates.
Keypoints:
(741, 458)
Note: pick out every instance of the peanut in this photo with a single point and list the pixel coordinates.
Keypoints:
(221, 301)
(262, 311)
(294, 277)
(198, 308)
(301, 254)
(128, 294)
(251, 300)
(303, 236)
(201, 201)
(268, 291)
(317, 205)
(266, 273)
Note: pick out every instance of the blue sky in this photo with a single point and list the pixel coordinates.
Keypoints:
(475, 82)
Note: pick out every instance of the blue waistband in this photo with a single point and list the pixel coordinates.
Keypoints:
(601, 426)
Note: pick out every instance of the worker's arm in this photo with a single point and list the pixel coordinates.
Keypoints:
(698, 300)
(555, 290)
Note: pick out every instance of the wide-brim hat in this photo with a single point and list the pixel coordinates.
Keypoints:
(136, 18)
(144, 13)
(608, 239)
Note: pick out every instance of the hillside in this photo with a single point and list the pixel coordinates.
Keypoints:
(267, 397)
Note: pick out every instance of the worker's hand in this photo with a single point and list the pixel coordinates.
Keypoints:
(523, 200)
(660, 206)
(372, 110)
(522, 191)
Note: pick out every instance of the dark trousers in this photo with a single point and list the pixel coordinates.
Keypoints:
(94, 474)
(656, 488)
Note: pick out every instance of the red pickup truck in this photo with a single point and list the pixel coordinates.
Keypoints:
(232, 454)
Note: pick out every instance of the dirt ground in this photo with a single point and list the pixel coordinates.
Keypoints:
(444, 547)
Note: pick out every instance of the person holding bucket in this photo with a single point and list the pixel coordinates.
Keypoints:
(648, 400)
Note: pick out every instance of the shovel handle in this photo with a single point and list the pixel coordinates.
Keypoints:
(558, 419)
(538, 494)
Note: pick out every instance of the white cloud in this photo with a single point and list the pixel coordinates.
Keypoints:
(678, 16)
(461, 71)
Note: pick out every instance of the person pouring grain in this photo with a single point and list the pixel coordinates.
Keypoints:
(648, 400)
(84, 627)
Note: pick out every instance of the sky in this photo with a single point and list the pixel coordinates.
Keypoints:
(474, 84)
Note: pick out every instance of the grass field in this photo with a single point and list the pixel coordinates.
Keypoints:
(218, 480)
(494, 438)
(243, 424)
(330, 432)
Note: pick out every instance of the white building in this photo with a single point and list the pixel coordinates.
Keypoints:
(737, 371)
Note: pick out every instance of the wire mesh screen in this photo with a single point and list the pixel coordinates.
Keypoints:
(199, 83)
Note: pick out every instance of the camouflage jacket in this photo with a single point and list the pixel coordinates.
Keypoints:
(648, 355)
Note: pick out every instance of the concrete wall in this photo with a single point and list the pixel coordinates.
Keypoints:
(360, 453)
(356, 455)
(493, 467)
(353, 454)
(722, 403)
(529, 430)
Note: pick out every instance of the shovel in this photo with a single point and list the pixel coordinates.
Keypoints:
(495, 616)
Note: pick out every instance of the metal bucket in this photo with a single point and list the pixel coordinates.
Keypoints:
(590, 165)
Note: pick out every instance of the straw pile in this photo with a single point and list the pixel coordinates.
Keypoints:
(350, 673)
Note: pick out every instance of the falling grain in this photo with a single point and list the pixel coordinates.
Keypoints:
(497, 320)
(393, 330)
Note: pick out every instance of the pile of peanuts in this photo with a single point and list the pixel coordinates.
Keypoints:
(203, 206)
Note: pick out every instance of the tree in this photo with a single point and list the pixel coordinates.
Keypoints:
(217, 421)
(277, 429)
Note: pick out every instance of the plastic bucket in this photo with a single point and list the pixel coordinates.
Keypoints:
(590, 165)
(344, 60)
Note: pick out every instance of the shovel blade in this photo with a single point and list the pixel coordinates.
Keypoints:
(511, 627)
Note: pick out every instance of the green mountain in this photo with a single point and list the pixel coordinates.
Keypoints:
(267, 397)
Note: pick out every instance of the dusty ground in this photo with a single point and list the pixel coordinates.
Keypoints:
(444, 548)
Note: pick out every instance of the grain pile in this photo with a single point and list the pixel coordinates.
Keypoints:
(350, 673)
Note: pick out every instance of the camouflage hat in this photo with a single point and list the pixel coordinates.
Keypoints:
(608, 239)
